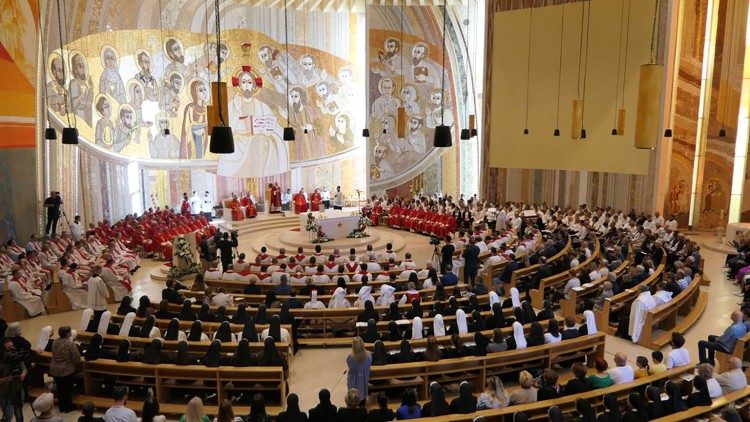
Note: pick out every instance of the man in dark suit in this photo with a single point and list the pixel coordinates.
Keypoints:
(471, 261)
(170, 294)
(225, 245)
(446, 254)
(544, 271)
(507, 274)
(570, 330)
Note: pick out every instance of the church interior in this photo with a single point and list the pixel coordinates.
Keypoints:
(361, 210)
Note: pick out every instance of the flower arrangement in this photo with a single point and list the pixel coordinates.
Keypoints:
(186, 264)
(316, 232)
(361, 230)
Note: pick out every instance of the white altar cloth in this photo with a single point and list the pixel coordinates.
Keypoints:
(336, 224)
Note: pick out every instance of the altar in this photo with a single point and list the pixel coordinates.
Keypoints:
(336, 224)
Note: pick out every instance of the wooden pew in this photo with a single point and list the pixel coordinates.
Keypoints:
(568, 306)
(741, 351)
(445, 341)
(207, 327)
(271, 381)
(194, 347)
(689, 305)
(12, 311)
(537, 295)
(621, 301)
(478, 368)
(255, 300)
(532, 269)
(695, 413)
(538, 410)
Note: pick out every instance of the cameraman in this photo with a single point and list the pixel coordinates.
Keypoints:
(52, 203)
(65, 357)
(12, 373)
(446, 254)
(225, 245)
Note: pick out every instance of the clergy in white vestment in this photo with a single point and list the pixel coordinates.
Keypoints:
(30, 299)
(120, 287)
(662, 295)
(641, 305)
(72, 287)
(196, 203)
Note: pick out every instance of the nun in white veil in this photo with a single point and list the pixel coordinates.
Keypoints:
(365, 294)
(518, 336)
(515, 298)
(590, 322)
(463, 327)
(494, 298)
(416, 328)
(104, 323)
(386, 295)
(86, 318)
(43, 339)
(314, 303)
(339, 299)
(438, 326)
(127, 323)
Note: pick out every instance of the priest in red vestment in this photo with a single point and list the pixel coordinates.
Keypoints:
(315, 200)
(236, 211)
(300, 202)
(248, 201)
(185, 207)
(275, 197)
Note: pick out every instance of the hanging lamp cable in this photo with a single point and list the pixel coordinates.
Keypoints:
(442, 79)
(286, 47)
(586, 63)
(625, 55)
(528, 65)
(218, 60)
(62, 56)
(727, 63)
(619, 60)
(559, 66)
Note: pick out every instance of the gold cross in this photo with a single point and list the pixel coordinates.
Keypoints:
(340, 224)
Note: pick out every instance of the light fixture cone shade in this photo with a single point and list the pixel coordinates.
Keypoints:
(474, 132)
(583, 133)
(166, 131)
(668, 133)
(614, 132)
(621, 122)
(288, 133)
(722, 133)
(647, 114)
(50, 133)
(577, 119)
(465, 134)
(556, 132)
(401, 122)
(443, 137)
(70, 136)
(222, 140)
(304, 131)
(365, 133)
(526, 131)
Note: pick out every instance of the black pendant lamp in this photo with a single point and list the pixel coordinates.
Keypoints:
(222, 139)
(465, 134)
(70, 133)
(443, 137)
(668, 133)
(69, 136)
(365, 133)
(288, 130)
(50, 134)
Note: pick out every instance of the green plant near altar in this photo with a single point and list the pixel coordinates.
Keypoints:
(186, 263)
(361, 230)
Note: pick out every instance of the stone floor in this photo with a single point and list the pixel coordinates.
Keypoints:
(313, 369)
